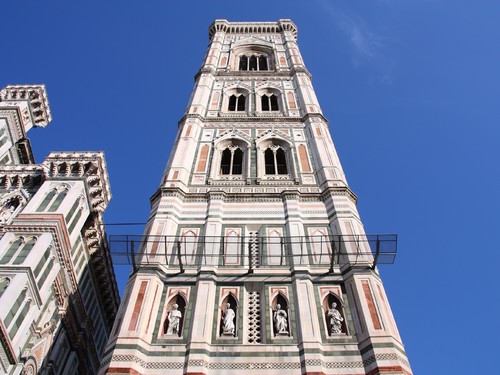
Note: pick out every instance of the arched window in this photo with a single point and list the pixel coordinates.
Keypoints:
(253, 61)
(57, 202)
(13, 248)
(25, 251)
(243, 62)
(46, 200)
(269, 103)
(236, 103)
(231, 161)
(275, 160)
(4, 283)
(174, 321)
(262, 62)
(281, 161)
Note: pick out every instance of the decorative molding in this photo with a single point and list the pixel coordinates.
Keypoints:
(91, 166)
(35, 96)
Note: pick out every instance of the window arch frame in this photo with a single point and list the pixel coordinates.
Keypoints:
(230, 143)
(275, 144)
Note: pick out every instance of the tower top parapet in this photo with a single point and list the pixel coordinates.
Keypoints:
(252, 27)
(88, 165)
(36, 98)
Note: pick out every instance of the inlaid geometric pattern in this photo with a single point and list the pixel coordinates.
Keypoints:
(254, 318)
(321, 363)
(254, 249)
(246, 365)
(148, 364)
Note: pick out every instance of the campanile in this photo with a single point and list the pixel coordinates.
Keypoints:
(254, 259)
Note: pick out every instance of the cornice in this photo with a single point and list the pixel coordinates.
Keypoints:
(91, 166)
(222, 25)
(252, 121)
(36, 98)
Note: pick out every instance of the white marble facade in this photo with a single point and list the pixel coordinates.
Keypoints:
(58, 294)
(239, 244)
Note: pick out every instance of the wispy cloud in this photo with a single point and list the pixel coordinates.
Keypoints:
(368, 45)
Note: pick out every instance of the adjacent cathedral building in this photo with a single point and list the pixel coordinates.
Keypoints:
(254, 259)
(58, 294)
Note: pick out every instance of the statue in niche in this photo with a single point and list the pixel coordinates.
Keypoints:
(335, 319)
(7, 211)
(280, 321)
(228, 327)
(174, 319)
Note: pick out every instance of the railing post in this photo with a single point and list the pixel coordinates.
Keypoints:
(132, 255)
(334, 251)
(166, 255)
(282, 250)
(377, 253)
(179, 256)
(222, 251)
(250, 267)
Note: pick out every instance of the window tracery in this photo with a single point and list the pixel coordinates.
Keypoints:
(253, 62)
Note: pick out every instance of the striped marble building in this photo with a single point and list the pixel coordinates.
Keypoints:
(254, 259)
(58, 294)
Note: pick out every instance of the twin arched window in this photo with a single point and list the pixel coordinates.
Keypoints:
(20, 248)
(236, 103)
(269, 103)
(253, 62)
(275, 160)
(231, 161)
(54, 198)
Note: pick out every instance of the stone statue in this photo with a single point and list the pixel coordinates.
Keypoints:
(228, 321)
(7, 212)
(280, 321)
(174, 320)
(335, 319)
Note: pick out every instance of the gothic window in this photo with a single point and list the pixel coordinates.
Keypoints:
(3, 137)
(57, 202)
(46, 200)
(269, 103)
(4, 283)
(25, 250)
(254, 318)
(275, 160)
(174, 322)
(231, 161)
(262, 63)
(13, 248)
(243, 62)
(53, 199)
(253, 62)
(236, 103)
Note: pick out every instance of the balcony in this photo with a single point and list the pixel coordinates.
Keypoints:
(253, 252)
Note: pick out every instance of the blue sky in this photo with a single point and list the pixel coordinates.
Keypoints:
(412, 92)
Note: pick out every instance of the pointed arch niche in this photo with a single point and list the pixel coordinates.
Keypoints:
(230, 160)
(228, 322)
(179, 299)
(329, 299)
(280, 314)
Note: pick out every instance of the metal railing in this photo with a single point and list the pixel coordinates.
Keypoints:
(254, 251)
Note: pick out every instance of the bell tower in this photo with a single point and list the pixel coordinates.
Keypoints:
(254, 258)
